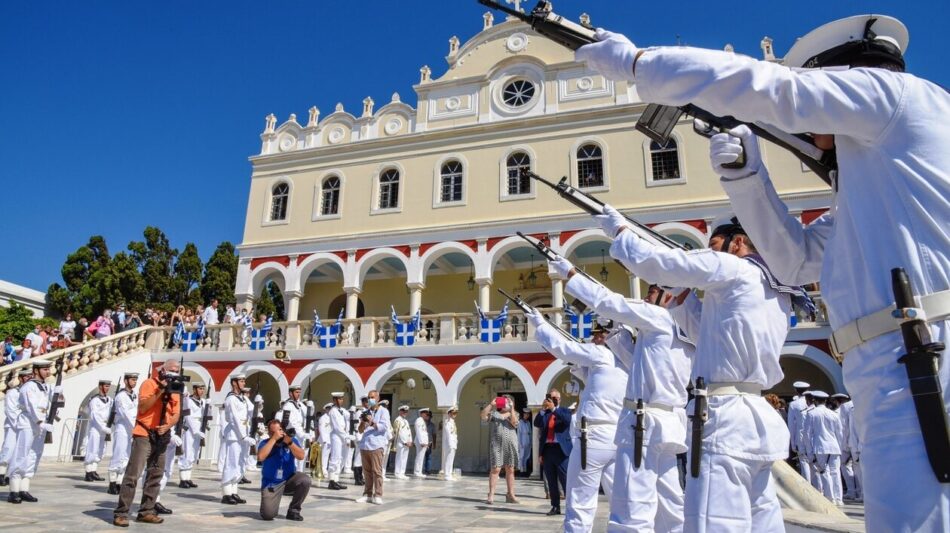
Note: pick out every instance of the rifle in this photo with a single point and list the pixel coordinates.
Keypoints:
(699, 416)
(206, 418)
(308, 418)
(180, 425)
(256, 417)
(111, 420)
(545, 21)
(551, 255)
(595, 207)
(56, 403)
(527, 308)
(584, 442)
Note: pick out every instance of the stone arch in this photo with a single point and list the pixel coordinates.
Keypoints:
(477, 364)
(321, 366)
(375, 255)
(582, 237)
(270, 270)
(550, 374)
(820, 359)
(314, 261)
(682, 230)
(250, 367)
(211, 386)
(444, 248)
(445, 396)
(494, 255)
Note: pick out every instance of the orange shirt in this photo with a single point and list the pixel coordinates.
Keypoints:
(150, 419)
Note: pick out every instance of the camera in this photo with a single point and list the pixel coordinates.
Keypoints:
(175, 383)
(285, 423)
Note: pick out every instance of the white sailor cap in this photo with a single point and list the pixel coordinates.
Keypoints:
(337, 395)
(820, 394)
(353, 408)
(130, 375)
(25, 371)
(453, 409)
(425, 410)
(526, 410)
(292, 388)
(42, 363)
(327, 406)
(105, 382)
(384, 402)
(238, 376)
(245, 389)
(801, 385)
(404, 408)
(198, 385)
(573, 406)
(840, 396)
(871, 35)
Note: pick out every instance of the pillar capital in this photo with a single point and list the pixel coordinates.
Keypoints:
(483, 281)
(293, 294)
(353, 290)
(416, 285)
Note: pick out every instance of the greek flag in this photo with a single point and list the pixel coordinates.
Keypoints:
(248, 322)
(201, 328)
(258, 339)
(580, 324)
(491, 328)
(405, 332)
(189, 342)
(179, 333)
(268, 325)
(315, 330)
(327, 335)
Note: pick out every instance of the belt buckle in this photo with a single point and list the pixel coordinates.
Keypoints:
(835, 352)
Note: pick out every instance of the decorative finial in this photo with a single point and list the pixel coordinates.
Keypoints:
(395, 99)
(339, 107)
(767, 53)
(293, 117)
(585, 19)
(729, 48)
(270, 121)
(489, 20)
(453, 45)
(424, 73)
(314, 117)
(368, 106)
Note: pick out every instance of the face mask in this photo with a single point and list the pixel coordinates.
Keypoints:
(371, 402)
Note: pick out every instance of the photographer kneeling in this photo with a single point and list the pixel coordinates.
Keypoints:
(158, 411)
(279, 473)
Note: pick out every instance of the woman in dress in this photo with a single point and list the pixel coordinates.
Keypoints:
(502, 418)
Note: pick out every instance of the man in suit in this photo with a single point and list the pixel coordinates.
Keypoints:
(554, 423)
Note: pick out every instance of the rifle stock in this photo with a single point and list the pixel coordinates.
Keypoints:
(56, 402)
(543, 20)
(111, 420)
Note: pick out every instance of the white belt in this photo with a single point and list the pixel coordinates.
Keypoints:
(594, 422)
(931, 308)
(632, 405)
(733, 389)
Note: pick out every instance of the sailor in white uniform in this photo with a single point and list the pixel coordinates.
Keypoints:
(795, 408)
(99, 408)
(236, 441)
(325, 438)
(600, 404)
(742, 325)
(421, 440)
(339, 437)
(844, 410)
(824, 428)
(805, 442)
(195, 404)
(297, 411)
(648, 496)
(32, 428)
(890, 131)
(403, 438)
(450, 443)
(126, 405)
(255, 430)
(854, 448)
(11, 412)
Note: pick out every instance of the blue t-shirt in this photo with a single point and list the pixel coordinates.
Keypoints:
(279, 466)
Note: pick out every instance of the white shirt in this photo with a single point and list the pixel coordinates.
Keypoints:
(795, 408)
(67, 328)
(376, 438)
(193, 420)
(126, 408)
(296, 418)
(325, 428)
(450, 436)
(34, 404)
(210, 316)
(845, 412)
(11, 407)
(338, 423)
(236, 418)
(742, 327)
(824, 428)
(422, 432)
(403, 433)
(99, 409)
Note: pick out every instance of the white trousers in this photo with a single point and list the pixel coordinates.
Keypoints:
(167, 473)
(649, 498)
(402, 457)
(816, 479)
(9, 444)
(804, 466)
(335, 466)
(189, 456)
(829, 471)
(448, 462)
(232, 467)
(325, 450)
(121, 448)
(582, 485)
(420, 460)
(847, 472)
(95, 446)
(858, 478)
(732, 495)
(27, 452)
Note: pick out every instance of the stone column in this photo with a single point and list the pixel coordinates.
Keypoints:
(484, 293)
(535, 445)
(415, 297)
(243, 301)
(557, 297)
(634, 285)
(292, 305)
(352, 301)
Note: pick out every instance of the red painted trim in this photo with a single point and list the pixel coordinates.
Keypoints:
(341, 255)
(810, 215)
(219, 371)
(472, 243)
(257, 261)
(447, 366)
(301, 257)
(821, 344)
(698, 224)
(493, 241)
(534, 363)
(362, 252)
(566, 235)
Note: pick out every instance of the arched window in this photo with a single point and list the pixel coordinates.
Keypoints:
(590, 166)
(389, 189)
(517, 183)
(665, 161)
(451, 181)
(280, 194)
(330, 196)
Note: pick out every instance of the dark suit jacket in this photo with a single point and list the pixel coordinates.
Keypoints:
(562, 427)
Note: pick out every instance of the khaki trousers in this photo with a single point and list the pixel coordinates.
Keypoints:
(142, 455)
(373, 472)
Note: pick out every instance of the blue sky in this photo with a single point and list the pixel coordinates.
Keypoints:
(117, 115)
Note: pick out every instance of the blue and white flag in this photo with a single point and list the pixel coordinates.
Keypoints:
(189, 341)
(258, 339)
(490, 329)
(405, 332)
(268, 325)
(201, 328)
(327, 336)
(179, 332)
(315, 330)
(248, 322)
(580, 324)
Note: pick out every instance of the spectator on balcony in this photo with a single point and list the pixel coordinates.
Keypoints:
(134, 321)
(230, 317)
(25, 351)
(8, 351)
(36, 340)
(118, 319)
(58, 341)
(105, 326)
(67, 326)
(79, 333)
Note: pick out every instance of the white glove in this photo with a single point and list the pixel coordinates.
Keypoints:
(176, 440)
(613, 56)
(250, 440)
(535, 318)
(611, 221)
(726, 148)
(309, 403)
(107, 431)
(199, 434)
(58, 389)
(46, 427)
(561, 266)
(259, 399)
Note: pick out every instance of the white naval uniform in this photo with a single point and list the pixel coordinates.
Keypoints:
(450, 445)
(650, 497)
(403, 437)
(325, 442)
(421, 440)
(525, 433)
(169, 466)
(99, 408)
(249, 462)
(297, 412)
(11, 412)
(126, 411)
(34, 404)
(191, 439)
(600, 403)
(795, 408)
(338, 438)
(739, 335)
(855, 448)
(804, 437)
(236, 442)
(824, 430)
(357, 437)
(892, 209)
(847, 466)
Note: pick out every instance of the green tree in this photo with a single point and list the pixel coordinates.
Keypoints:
(88, 284)
(220, 275)
(17, 321)
(187, 276)
(156, 259)
(129, 281)
(269, 302)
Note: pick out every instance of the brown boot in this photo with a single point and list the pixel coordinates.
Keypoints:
(149, 518)
(120, 521)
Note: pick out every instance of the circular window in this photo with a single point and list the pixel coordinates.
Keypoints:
(517, 93)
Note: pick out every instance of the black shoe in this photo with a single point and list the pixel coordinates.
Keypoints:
(238, 499)
(27, 497)
(333, 485)
(294, 515)
(554, 511)
(359, 483)
(113, 488)
(89, 477)
(97, 477)
(4, 481)
(161, 509)
(192, 484)
(229, 500)
(14, 497)
(183, 485)
(244, 481)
